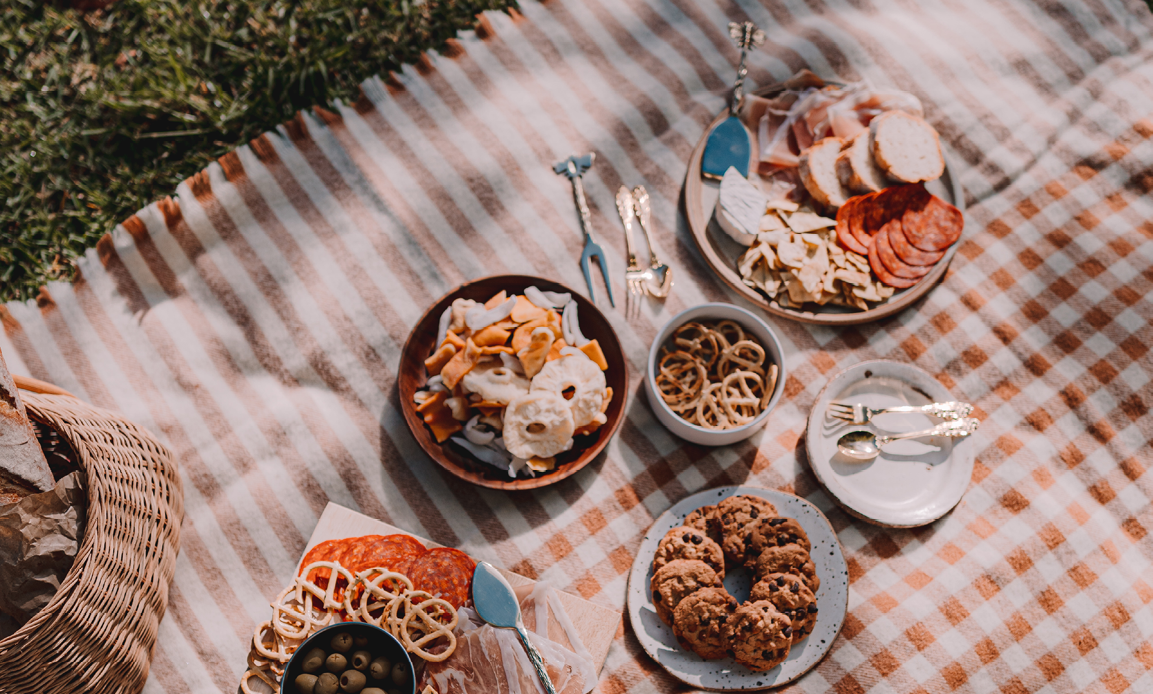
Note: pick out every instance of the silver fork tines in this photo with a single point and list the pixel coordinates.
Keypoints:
(859, 414)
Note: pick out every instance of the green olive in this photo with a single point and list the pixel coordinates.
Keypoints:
(342, 642)
(305, 683)
(361, 660)
(380, 668)
(326, 684)
(399, 674)
(352, 681)
(313, 660)
(336, 663)
(360, 641)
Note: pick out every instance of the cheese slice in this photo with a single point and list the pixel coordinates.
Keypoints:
(740, 207)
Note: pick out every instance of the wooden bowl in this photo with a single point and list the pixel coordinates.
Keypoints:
(721, 253)
(412, 376)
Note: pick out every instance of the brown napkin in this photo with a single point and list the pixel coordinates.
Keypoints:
(39, 539)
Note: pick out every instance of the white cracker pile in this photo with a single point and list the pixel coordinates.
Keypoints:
(797, 259)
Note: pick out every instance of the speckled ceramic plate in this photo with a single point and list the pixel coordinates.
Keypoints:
(912, 482)
(726, 675)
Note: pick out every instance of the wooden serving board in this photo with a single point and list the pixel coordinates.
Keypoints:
(596, 625)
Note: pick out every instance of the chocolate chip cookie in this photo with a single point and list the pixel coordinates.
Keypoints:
(773, 532)
(735, 514)
(677, 580)
(790, 559)
(759, 635)
(705, 519)
(689, 543)
(792, 598)
(699, 622)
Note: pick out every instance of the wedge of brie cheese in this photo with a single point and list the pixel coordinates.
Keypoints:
(740, 206)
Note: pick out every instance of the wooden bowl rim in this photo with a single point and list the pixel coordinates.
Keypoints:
(694, 212)
(562, 471)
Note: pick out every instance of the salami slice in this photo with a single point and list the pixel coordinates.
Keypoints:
(934, 225)
(329, 550)
(445, 573)
(856, 221)
(844, 234)
(910, 254)
(391, 552)
(883, 273)
(890, 260)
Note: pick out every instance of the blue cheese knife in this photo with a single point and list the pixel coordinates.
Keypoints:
(730, 144)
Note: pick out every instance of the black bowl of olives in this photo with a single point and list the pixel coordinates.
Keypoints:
(349, 658)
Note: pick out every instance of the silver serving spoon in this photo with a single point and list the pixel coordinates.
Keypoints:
(496, 604)
(661, 281)
(865, 445)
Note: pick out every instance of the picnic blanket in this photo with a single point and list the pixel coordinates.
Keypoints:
(254, 322)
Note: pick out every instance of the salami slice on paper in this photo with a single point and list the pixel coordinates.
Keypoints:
(445, 573)
(934, 225)
(890, 260)
(391, 552)
(329, 550)
(909, 253)
(844, 233)
(883, 273)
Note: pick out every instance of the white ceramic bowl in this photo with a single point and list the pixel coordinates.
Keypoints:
(714, 312)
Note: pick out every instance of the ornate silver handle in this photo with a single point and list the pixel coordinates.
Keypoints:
(537, 661)
(641, 196)
(578, 194)
(747, 36)
(625, 204)
(954, 429)
(944, 410)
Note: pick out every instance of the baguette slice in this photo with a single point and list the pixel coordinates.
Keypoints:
(22, 464)
(819, 172)
(857, 169)
(906, 147)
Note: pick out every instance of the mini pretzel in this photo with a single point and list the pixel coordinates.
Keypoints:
(375, 594)
(710, 413)
(295, 614)
(698, 340)
(740, 403)
(743, 354)
(680, 380)
(327, 594)
(430, 619)
(731, 331)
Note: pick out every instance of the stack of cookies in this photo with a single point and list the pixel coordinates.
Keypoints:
(689, 595)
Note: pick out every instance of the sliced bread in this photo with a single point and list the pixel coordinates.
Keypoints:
(22, 464)
(819, 172)
(857, 169)
(906, 147)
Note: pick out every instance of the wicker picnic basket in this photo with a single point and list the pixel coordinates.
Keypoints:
(98, 632)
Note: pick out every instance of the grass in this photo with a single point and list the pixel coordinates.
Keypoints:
(102, 112)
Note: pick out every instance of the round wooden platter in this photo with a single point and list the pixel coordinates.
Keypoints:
(721, 253)
(412, 377)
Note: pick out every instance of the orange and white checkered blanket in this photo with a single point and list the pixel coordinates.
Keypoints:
(254, 321)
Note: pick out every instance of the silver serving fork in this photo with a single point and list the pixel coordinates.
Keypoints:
(859, 414)
(635, 277)
(574, 167)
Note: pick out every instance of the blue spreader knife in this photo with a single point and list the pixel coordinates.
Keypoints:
(730, 144)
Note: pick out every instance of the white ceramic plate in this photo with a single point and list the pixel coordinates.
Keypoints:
(726, 675)
(912, 482)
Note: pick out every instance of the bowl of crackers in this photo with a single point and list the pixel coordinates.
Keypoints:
(714, 373)
(513, 382)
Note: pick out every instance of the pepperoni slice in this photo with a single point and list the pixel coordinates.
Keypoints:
(445, 573)
(329, 550)
(890, 260)
(934, 225)
(883, 273)
(856, 221)
(910, 254)
(391, 552)
(844, 235)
